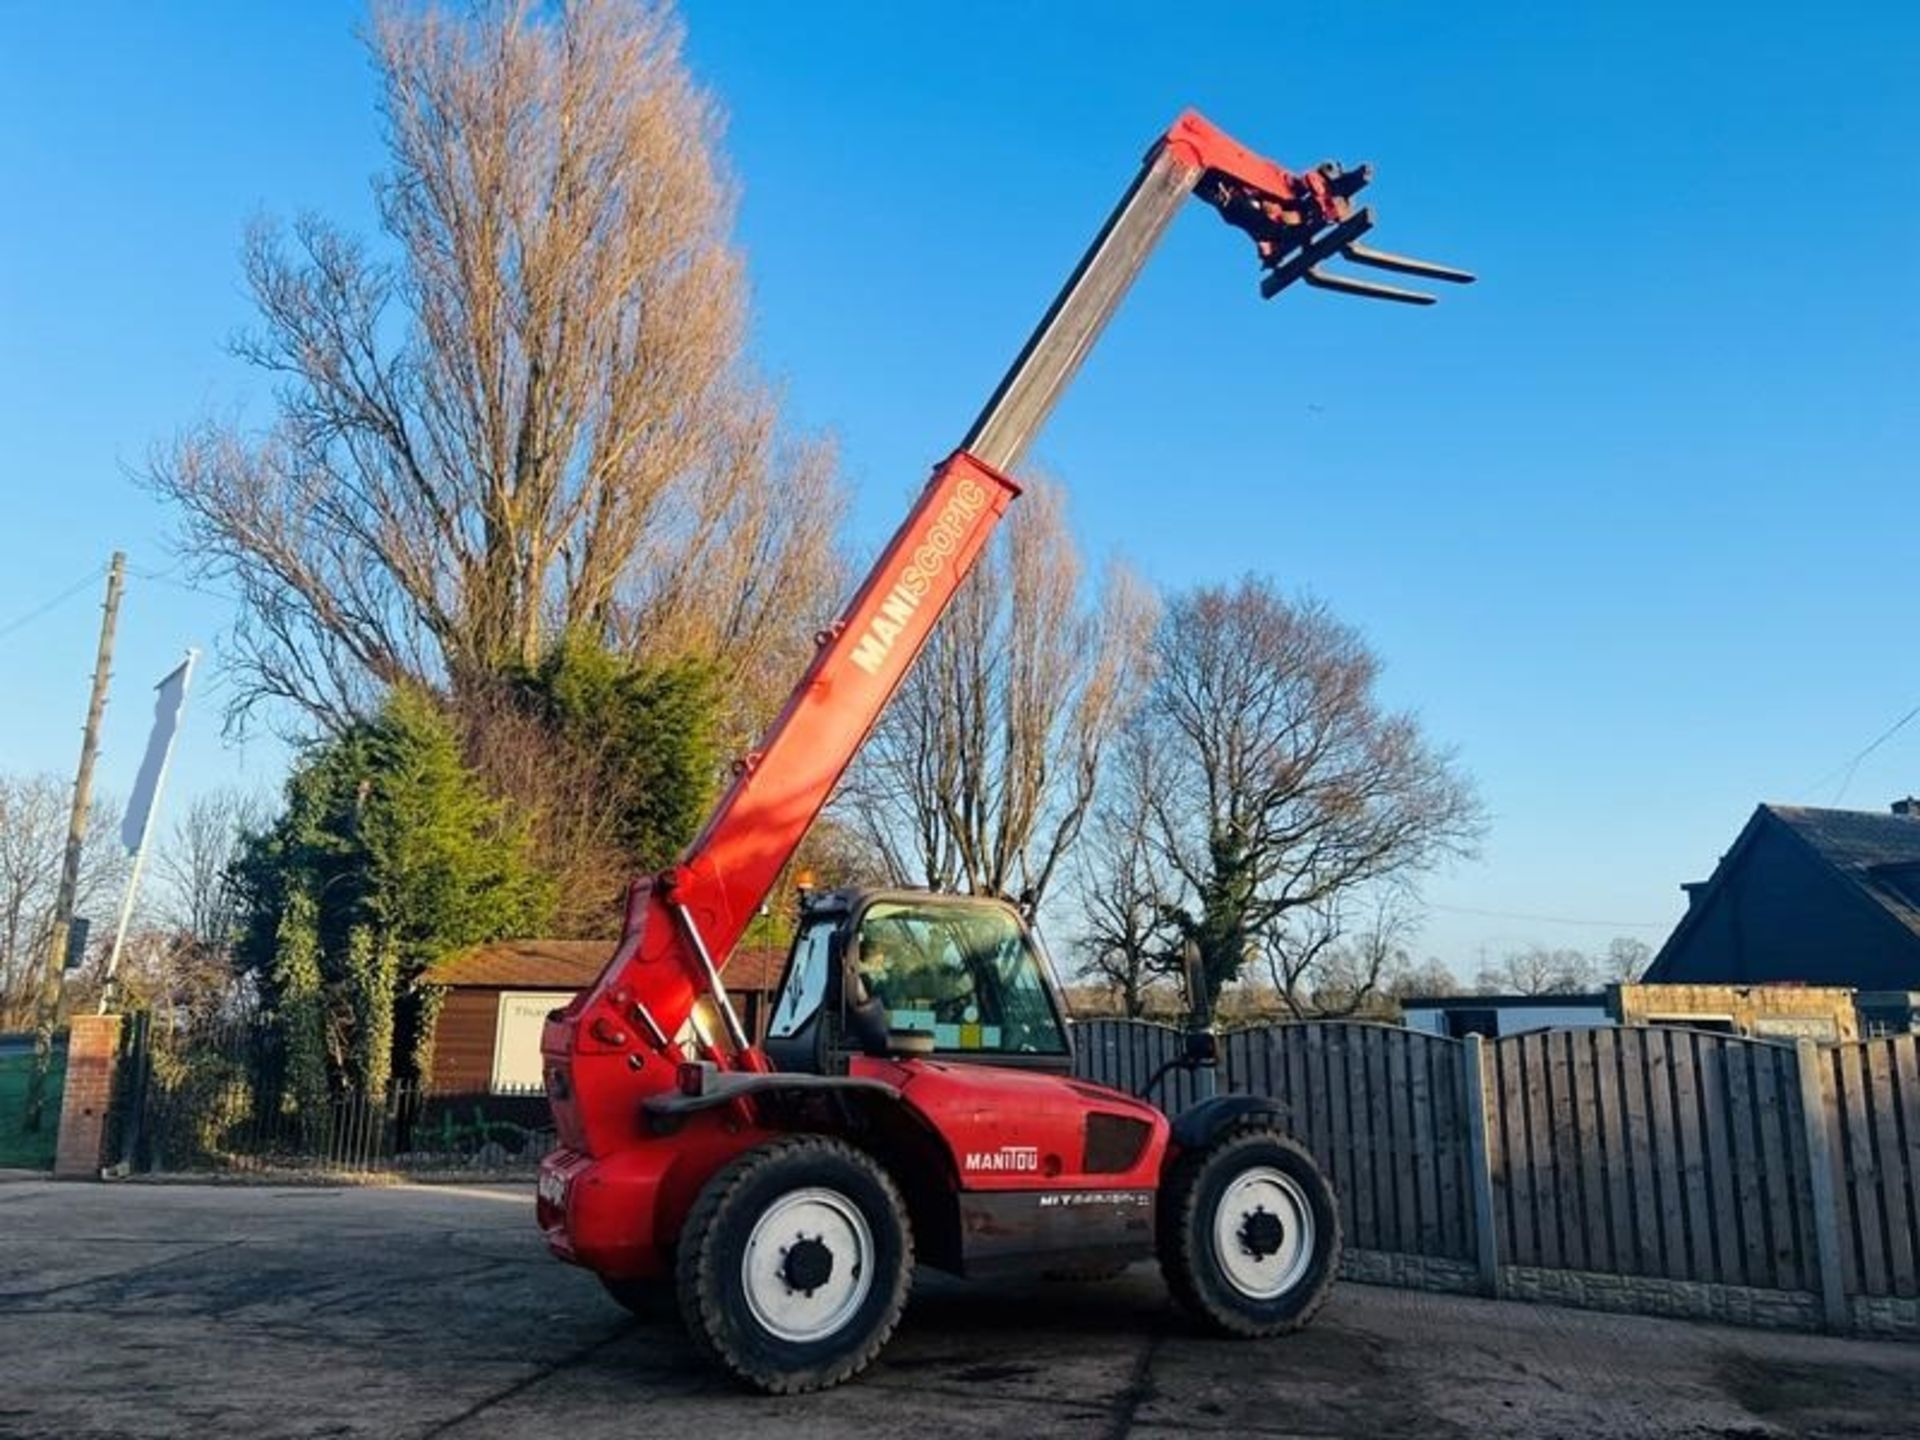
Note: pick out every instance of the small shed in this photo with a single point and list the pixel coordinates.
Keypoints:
(1888, 1012)
(1496, 1015)
(1764, 1012)
(498, 995)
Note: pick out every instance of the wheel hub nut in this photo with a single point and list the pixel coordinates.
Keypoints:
(808, 1264)
(1262, 1234)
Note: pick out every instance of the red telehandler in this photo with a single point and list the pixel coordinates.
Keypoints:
(912, 1101)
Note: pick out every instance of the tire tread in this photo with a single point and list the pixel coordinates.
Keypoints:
(1180, 1238)
(697, 1279)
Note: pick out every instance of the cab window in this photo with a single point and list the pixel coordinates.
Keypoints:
(963, 974)
(806, 982)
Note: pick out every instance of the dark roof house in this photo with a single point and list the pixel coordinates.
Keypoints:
(1814, 897)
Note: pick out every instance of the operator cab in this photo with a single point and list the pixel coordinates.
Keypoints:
(908, 973)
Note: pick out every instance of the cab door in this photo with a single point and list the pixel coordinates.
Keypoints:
(801, 1033)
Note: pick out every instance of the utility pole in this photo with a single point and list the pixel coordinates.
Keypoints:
(47, 1014)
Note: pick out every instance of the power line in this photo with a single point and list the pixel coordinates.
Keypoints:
(1548, 919)
(72, 590)
(1852, 767)
(164, 577)
(178, 564)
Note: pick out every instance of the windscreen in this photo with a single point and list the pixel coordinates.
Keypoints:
(964, 974)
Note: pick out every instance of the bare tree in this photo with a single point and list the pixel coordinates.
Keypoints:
(1287, 790)
(33, 837)
(32, 830)
(163, 970)
(982, 771)
(1625, 960)
(1537, 970)
(1343, 955)
(528, 410)
(1563, 969)
(198, 900)
(1124, 938)
(1430, 977)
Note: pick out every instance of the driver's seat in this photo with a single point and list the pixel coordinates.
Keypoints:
(871, 1028)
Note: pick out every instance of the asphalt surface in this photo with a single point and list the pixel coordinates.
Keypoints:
(243, 1311)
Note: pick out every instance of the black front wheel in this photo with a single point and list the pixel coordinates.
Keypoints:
(1249, 1233)
(794, 1264)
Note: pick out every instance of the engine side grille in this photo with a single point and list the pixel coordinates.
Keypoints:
(1113, 1143)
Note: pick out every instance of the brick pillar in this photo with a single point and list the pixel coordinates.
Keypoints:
(93, 1048)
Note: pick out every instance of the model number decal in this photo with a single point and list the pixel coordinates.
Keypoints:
(1096, 1197)
(1019, 1158)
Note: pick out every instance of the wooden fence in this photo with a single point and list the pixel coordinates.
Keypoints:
(1129, 1054)
(1871, 1094)
(1672, 1168)
(1381, 1108)
(1653, 1152)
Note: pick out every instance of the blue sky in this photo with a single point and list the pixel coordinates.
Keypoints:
(1629, 521)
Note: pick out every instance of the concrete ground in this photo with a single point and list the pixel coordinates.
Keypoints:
(244, 1311)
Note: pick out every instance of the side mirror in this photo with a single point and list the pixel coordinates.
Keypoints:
(868, 1022)
(1199, 1002)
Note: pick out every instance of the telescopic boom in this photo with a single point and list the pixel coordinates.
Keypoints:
(682, 924)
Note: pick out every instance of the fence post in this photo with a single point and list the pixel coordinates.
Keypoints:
(93, 1058)
(1486, 1239)
(136, 1073)
(1826, 1209)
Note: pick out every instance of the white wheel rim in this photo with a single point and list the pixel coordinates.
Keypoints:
(827, 1218)
(1263, 1190)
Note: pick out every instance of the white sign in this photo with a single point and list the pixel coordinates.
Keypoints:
(516, 1038)
(170, 700)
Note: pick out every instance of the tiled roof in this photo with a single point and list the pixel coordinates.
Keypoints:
(1875, 850)
(575, 964)
(754, 969)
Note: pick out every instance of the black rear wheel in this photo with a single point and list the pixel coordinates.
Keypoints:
(1249, 1234)
(645, 1299)
(794, 1264)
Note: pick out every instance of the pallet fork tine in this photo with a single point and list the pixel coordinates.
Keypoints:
(1406, 264)
(1365, 289)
